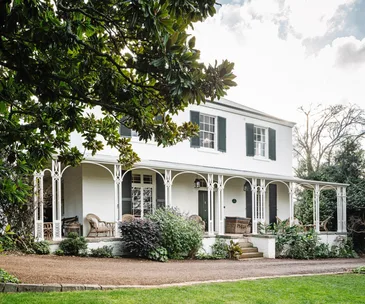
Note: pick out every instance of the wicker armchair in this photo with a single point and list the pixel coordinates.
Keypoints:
(98, 226)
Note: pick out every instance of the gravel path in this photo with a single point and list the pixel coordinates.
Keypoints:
(122, 271)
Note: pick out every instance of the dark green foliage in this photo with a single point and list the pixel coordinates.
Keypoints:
(140, 237)
(346, 166)
(73, 245)
(296, 243)
(180, 236)
(359, 270)
(59, 252)
(5, 277)
(103, 252)
(41, 247)
(234, 250)
(220, 249)
(159, 254)
(59, 59)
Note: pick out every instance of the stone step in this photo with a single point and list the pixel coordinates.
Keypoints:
(245, 244)
(251, 255)
(249, 249)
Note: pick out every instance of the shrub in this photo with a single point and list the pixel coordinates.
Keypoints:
(359, 270)
(180, 236)
(5, 277)
(234, 250)
(103, 252)
(140, 237)
(293, 242)
(41, 247)
(74, 245)
(158, 254)
(59, 252)
(220, 249)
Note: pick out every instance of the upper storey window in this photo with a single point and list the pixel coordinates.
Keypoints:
(260, 139)
(207, 132)
(212, 134)
(260, 142)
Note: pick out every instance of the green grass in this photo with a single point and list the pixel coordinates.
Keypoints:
(347, 288)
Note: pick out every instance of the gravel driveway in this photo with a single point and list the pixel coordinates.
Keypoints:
(123, 271)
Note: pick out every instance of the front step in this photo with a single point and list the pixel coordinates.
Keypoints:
(251, 255)
(248, 251)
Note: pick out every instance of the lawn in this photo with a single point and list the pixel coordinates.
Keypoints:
(314, 289)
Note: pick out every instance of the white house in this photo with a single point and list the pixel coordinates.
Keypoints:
(239, 166)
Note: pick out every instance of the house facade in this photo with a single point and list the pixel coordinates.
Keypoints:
(240, 165)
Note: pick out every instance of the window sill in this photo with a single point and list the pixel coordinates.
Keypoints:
(260, 158)
(135, 140)
(207, 150)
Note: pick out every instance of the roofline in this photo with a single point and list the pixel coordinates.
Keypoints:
(254, 112)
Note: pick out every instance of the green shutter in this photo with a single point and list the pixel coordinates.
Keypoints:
(160, 192)
(127, 193)
(222, 134)
(272, 144)
(194, 118)
(250, 145)
(123, 130)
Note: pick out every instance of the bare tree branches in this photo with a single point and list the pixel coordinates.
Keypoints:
(325, 129)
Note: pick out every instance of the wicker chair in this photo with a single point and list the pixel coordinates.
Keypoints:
(197, 219)
(98, 226)
(127, 218)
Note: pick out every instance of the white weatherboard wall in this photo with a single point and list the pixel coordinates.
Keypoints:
(97, 193)
(235, 156)
(184, 195)
(234, 190)
(72, 192)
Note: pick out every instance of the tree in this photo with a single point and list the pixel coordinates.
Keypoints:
(324, 131)
(61, 60)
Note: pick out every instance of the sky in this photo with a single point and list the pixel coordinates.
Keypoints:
(289, 53)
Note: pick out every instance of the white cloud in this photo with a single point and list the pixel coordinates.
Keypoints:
(277, 75)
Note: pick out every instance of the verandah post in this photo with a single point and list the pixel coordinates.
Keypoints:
(210, 204)
(254, 205)
(118, 179)
(220, 205)
(316, 209)
(168, 185)
(38, 205)
(56, 200)
(291, 203)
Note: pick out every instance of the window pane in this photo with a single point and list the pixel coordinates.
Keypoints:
(136, 201)
(136, 178)
(147, 179)
(147, 200)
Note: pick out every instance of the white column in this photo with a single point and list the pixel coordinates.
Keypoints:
(344, 210)
(254, 205)
(118, 212)
(291, 203)
(316, 209)
(56, 200)
(262, 200)
(210, 205)
(220, 205)
(339, 209)
(38, 205)
(167, 188)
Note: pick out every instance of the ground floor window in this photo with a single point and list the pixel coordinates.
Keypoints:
(142, 194)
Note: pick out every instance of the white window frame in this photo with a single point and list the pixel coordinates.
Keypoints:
(142, 185)
(215, 148)
(266, 143)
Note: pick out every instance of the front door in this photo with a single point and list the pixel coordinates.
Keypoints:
(203, 207)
